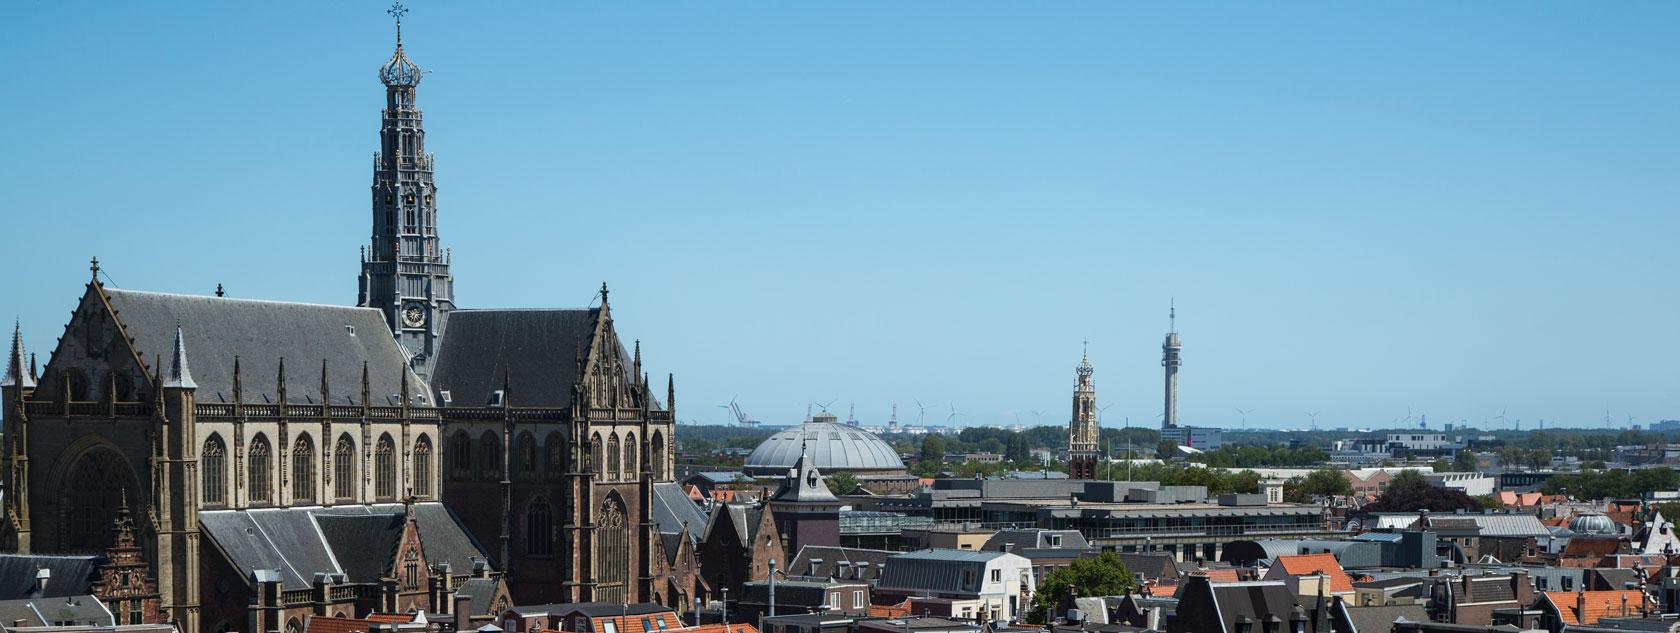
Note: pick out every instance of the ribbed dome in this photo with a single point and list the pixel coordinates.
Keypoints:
(399, 71)
(832, 447)
(1592, 523)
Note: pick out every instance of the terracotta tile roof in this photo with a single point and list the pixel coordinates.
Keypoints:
(390, 618)
(1599, 604)
(324, 624)
(634, 623)
(734, 627)
(1308, 564)
(1222, 575)
(1162, 591)
(890, 610)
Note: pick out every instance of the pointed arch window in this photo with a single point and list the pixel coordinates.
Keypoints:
(527, 455)
(612, 551)
(490, 456)
(303, 469)
(555, 448)
(614, 459)
(539, 528)
(258, 462)
(632, 468)
(385, 468)
(597, 461)
(423, 467)
(344, 469)
(460, 455)
(657, 456)
(411, 570)
(214, 459)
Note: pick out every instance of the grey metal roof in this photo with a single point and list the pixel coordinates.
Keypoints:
(832, 448)
(480, 591)
(216, 329)
(805, 485)
(294, 542)
(940, 570)
(848, 562)
(1381, 619)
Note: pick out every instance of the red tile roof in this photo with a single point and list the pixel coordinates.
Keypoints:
(1599, 604)
(324, 624)
(1309, 564)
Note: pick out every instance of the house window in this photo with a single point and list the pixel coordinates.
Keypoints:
(997, 575)
(834, 600)
(1054, 540)
(968, 578)
(857, 599)
(609, 626)
(1568, 583)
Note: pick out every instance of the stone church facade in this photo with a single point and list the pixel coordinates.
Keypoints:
(265, 445)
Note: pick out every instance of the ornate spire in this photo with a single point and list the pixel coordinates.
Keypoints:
(180, 375)
(400, 71)
(17, 373)
(280, 382)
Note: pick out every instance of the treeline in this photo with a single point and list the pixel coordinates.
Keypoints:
(1612, 484)
(1262, 456)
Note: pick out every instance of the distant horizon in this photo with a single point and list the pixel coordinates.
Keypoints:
(1360, 212)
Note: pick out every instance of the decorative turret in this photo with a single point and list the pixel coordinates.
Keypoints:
(806, 512)
(19, 373)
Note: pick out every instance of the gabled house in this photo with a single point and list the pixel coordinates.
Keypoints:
(737, 547)
(976, 586)
(1264, 606)
(1312, 575)
(1473, 599)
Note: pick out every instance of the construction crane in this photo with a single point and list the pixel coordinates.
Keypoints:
(741, 416)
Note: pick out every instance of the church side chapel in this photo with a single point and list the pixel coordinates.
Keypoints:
(245, 464)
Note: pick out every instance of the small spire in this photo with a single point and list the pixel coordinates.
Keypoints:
(94, 267)
(219, 291)
(364, 384)
(326, 394)
(280, 381)
(404, 372)
(15, 369)
(180, 375)
(603, 294)
(33, 375)
(238, 390)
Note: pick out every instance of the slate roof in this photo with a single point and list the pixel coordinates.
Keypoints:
(82, 610)
(794, 592)
(537, 349)
(1153, 566)
(863, 564)
(295, 541)
(1375, 619)
(363, 544)
(215, 329)
(1035, 538)
(481, 591)
(1256, 601)
(940, 570)
(673, 510)
(70, 575)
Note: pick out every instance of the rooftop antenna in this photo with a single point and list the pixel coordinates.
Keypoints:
(1172, 315)
(851, 414)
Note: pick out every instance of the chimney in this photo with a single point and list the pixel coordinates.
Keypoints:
(1008, 547)
(1580, 603)
(42, 576)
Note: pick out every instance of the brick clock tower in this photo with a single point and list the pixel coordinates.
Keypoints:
(1082, 429)
(404, 272)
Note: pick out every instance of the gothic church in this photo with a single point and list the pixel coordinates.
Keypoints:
(312, 459)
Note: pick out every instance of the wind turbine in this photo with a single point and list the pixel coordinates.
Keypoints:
(953, 420)
(1038, 418)
(1501, 417)
(1313, 416)
(921, 411)
(1244, 414)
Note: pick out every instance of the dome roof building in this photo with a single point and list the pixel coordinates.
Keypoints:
(829, 446)
(1592, 523)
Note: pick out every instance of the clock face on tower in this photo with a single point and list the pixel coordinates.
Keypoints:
(414, 315)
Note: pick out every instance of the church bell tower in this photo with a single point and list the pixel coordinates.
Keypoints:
(1082, 429)
(404, 272)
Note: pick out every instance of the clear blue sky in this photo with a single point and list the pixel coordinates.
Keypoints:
(1457, 207)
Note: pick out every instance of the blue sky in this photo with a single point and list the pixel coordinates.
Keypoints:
(1457, 207)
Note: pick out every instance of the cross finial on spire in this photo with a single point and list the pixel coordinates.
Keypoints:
(603, 293)
(1085, 348)
(219, 291)
(397, 11)
(94, 266)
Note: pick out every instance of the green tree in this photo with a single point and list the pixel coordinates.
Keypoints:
(1326, 482)
(1167, 449)
(1465, 461)
(1100, 575)
(1020, 449)
(1410, 492)
(842, 483)
(933, 450)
